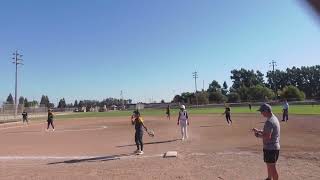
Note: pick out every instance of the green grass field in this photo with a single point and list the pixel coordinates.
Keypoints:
(294, 109)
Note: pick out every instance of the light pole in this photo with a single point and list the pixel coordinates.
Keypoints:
(195, 76)
(273, 64)
(17, 60)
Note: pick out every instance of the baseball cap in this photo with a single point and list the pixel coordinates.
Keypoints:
(265, 108)
(182, 107)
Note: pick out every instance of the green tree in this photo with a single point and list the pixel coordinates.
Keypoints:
(217, 97)
(202, 98)
(26, 103)
(62, 103)
(177, 99)
(244, 93)
(233, 97)
(81, 104)
(187, 97)
(10, 99)
(33, 103)
(214, 86)
(224, 89)
(260, 93)
(75, 103)
(45, 101)
(21, 100)
(50, 105)
(277, 79)
(306, 79)
(246, 78)
(292, 93)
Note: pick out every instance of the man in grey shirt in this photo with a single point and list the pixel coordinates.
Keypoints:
(271, 140)
(285, 110)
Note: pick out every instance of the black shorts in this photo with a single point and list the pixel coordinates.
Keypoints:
(270, 156)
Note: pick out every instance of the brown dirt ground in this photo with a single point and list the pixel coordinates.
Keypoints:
(213, 151)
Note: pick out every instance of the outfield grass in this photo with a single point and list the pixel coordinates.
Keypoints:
(294, 109)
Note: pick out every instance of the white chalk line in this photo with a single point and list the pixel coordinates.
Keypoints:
(111, 157)
(9, 123)
(75, 130)
(25, 125)
(63, 130)
(88, 158)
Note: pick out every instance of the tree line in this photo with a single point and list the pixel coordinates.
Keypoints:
(293, 84)
(45, 102)
(247, 86)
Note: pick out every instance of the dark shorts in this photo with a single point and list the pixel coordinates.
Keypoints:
(270, 156)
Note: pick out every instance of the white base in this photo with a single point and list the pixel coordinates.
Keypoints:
(171, 154)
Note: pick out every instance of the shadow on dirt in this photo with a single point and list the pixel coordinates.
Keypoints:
(157, 142)
(93, 159)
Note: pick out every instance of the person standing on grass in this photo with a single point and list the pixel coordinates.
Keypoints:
(271, 140)
(250, 106)
(168, 112)
(137, 121)
(183, 121)
(50, 120)
(25, 117)
(227, 112)
(285, 111)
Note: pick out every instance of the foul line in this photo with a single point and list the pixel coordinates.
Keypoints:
(74, 130)
(25, 125)
(43, 130)
(110, 157)
(3, 158)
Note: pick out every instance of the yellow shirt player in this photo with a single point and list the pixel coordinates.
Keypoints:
(50, 120)
(137, 121)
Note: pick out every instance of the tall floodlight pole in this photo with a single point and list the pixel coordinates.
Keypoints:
(195, 76)
(273, 64)
(17, 61)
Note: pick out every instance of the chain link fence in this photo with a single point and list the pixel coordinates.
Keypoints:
(7, 112)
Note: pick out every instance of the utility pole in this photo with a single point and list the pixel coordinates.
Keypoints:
(274, 64)
(203, 85)
(122, 103)
(195, 76)
(17, 60)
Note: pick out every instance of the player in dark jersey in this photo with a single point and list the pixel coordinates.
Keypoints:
(227, 112)
(137, 121)
(168, 112)
(25, 117)
(50, 120)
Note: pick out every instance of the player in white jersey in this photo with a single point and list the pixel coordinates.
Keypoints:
(183, 121)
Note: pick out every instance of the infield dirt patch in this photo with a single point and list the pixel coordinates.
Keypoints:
(102, 148)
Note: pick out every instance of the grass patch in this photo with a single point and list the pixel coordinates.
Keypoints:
(294, 109)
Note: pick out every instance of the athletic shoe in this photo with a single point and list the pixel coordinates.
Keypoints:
(140, 153)
(136, 151)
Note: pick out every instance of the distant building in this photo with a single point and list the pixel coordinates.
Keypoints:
(113, 107)
(136, 106)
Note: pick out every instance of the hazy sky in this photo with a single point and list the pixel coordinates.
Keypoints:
(92, 49)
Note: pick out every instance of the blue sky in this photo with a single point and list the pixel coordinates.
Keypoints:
(80, 49)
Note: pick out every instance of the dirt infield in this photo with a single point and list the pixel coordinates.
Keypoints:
(101, 148)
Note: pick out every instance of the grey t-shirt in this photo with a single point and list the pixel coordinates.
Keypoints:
(272, 126)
